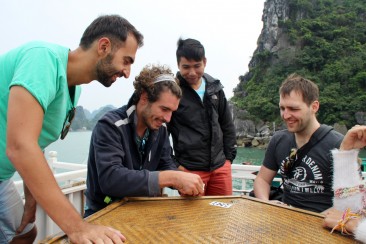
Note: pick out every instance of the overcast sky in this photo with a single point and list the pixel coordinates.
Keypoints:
(228, 29)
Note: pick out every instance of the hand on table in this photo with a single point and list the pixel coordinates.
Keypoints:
(90, 233)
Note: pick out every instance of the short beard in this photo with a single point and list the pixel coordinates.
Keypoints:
(104, 69)
(145, 115)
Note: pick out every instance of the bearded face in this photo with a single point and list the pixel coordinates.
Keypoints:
(106, 72)
(152, 118)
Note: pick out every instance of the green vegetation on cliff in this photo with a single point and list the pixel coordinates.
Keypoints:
(327, 44)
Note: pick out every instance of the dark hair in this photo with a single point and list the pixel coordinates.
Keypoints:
(308, 89)
(190, 49)
(145, 82)
(115, 27)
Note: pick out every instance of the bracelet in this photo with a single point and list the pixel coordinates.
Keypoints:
(349, 191)
(341, 224)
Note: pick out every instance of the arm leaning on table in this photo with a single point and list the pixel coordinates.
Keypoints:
(169, 176)
(25, 117)
(347, 214)
(114, 166)
(262, 183)
(185, 183)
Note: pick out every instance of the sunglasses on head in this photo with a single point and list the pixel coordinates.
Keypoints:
(67, 123)
(289, 163)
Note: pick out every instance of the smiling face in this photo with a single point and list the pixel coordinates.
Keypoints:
(117, 64)
(153, 115)
(191, 70)
(296, 113)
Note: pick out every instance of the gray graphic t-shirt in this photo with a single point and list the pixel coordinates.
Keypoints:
(309, 184)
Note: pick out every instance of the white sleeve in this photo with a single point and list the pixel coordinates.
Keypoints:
(346, 174)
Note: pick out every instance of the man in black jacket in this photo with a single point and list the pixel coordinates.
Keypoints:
(130, 152)
(202, 128)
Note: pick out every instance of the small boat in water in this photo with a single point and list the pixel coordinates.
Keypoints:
(246, 163)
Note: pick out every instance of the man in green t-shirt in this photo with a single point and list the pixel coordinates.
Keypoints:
(39, 89)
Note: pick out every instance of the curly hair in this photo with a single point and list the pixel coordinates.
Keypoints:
(145, 81)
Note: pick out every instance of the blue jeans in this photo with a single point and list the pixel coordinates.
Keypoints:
(88, 212)
(11, 212)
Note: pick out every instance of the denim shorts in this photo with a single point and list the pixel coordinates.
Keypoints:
(11, 211)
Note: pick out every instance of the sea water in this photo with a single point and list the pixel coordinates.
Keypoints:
(75, 148)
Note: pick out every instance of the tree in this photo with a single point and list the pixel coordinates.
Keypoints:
(326, 43)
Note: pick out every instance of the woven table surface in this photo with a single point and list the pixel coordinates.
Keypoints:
(211, 220)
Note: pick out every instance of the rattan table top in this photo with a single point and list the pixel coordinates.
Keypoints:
(211, 220)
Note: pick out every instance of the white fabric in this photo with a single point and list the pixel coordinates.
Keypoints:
(164, 77)
(360, 233)
(346, 174)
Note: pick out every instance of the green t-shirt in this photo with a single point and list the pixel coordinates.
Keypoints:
(40, 68)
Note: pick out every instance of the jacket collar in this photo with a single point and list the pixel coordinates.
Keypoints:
(132, 118)
(212, 85)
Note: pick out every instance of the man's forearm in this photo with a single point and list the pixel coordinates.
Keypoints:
(186, 183)
(168, 178)
(29, 199)
(261, 189)
(42, 185)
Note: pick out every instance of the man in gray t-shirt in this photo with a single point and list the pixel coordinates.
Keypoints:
(307, 181)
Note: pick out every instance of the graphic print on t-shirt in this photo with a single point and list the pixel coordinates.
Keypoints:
(305, 177)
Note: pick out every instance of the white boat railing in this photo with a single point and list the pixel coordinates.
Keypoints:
(73, 186)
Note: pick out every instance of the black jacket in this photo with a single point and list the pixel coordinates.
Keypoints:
(203, 133)
(115, 167)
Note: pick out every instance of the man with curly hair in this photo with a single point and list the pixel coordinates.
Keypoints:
(130, 153)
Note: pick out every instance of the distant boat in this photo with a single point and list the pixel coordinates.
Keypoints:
(246, 163)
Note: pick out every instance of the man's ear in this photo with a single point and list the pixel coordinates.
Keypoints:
(315, 106)
(143, 98)
(104, 46)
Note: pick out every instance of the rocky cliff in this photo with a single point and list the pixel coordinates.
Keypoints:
(322, 40)
(272, 39)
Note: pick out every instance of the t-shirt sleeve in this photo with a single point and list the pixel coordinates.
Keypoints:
(269, 160)
(36, 71)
